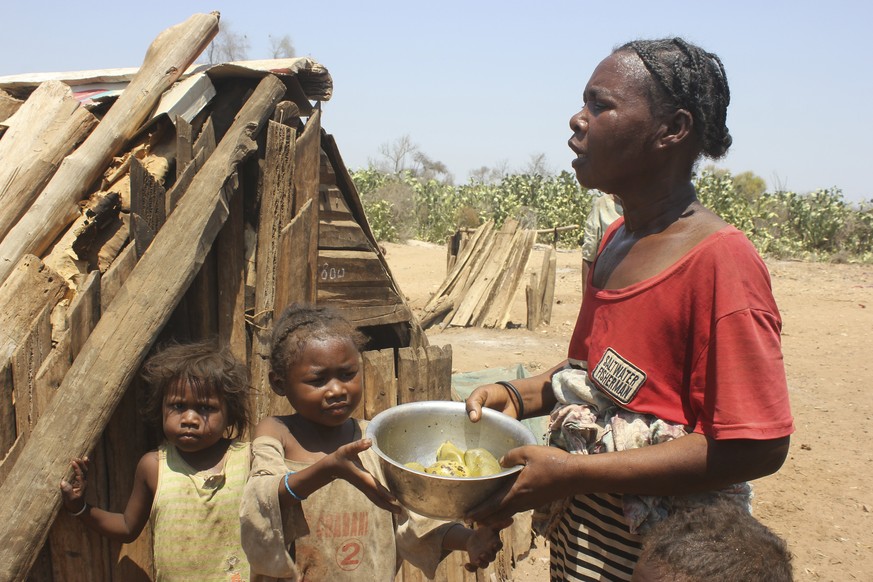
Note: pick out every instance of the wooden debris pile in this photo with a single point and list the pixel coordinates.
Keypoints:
(485, 271)
(171, 202)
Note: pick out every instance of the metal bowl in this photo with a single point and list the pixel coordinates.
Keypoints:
(414, 431)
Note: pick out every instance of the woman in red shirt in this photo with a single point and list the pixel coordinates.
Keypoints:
(678, 324)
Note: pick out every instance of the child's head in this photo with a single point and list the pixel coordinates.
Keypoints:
(718, 542)
(315, 363)
(200, 373)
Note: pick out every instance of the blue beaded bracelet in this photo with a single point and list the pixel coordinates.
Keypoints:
(288, 487)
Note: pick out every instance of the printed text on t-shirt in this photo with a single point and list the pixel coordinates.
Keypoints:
(617, 376)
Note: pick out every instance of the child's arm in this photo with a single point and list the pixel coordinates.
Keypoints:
(343, 463)
(481, 543)
(124, 527)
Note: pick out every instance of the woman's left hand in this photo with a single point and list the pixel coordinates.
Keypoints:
(540, 481)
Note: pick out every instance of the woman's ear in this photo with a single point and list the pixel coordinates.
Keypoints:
(677, 128)
(276, 383)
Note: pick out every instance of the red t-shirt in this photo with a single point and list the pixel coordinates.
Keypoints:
(699, 344)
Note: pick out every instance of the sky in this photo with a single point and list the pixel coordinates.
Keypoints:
(494, 83)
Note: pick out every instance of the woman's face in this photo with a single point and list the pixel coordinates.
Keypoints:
(614, 133)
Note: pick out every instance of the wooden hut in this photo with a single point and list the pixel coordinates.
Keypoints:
(172, 201)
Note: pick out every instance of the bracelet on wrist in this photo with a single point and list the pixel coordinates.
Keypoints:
(510, 387)
(81, 511)
(288, 487)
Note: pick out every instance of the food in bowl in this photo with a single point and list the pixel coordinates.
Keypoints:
(451, 461)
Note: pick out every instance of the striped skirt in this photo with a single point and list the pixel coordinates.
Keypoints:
(593, 541)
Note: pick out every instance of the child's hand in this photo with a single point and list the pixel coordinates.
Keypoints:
(483, 545)
(74, 493)
(347, 465)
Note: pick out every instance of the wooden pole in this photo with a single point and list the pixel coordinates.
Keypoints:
(49, 125)
(166, 59)
(98, 378)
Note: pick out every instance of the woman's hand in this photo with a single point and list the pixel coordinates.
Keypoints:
(345, 464)
(73, 491)
(540, 481)
(492, 396)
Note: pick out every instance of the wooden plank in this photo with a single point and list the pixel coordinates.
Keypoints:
(166, 59)
(24, 295)
(307, 158)
(499, 294)
(513, 282)
(184, 145)
(359, 295)
(175, 193)
(206, 140)
(295, 276)
(549, 269)
(332, 205)
(326, 175)
(8, 106)
(148, 199)
(344, 268)
(277, 199)
(380, 383)
(25, 362)
(411, 375)
(8, 432)
(497, 313)
(345, 184)
(44, 130)
(230, 247)
(371, 316)
(532, 298)
(465, 265)
(342, 234)
(484, 280)
(201, 299)
(125, 440)
(116, 275)
(91, 390)
(141, 234)
(440, 361)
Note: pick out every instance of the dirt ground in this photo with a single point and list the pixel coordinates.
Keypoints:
(818, 502)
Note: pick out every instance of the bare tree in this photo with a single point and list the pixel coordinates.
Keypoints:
(281, 48)
(428, 169)
(399, 154)
(486, 175)
(228, 46)
(538, 165)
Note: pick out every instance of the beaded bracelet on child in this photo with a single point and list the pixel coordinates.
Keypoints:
(288, 487)
(511, 388)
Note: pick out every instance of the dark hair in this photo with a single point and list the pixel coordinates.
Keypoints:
(717, 542)
(208, 369)
(687, 77)
(299, 324)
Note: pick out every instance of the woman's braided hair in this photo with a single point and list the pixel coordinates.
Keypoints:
(689, 78)
(299, 324)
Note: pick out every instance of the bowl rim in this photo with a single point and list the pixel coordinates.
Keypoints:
(448, 404)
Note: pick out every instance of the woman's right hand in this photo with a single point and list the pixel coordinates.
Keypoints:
(73, 491)
(493, 396)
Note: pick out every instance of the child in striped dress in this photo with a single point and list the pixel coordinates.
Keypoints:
(190, 487)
